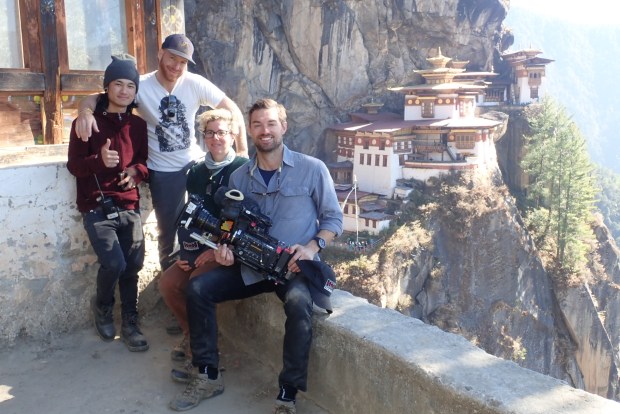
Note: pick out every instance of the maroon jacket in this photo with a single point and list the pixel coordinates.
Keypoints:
(128, 136)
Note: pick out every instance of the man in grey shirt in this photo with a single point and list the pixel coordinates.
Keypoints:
(297, 193)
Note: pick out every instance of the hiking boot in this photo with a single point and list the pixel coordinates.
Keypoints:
(200, 388)
(173, 327)
(284, 407)
(181, 352)
(184, 374)
(104, 320)
(131, 334)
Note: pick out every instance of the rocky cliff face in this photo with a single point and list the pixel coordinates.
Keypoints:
(466, 264)
(470, 268)
(324, 58)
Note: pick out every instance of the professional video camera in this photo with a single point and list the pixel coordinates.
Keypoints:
(243, 227)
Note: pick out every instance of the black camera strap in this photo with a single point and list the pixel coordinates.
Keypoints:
(98, 186)
(110, 211)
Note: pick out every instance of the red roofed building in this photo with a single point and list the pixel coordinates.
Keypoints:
(528, 71)
(438, 132)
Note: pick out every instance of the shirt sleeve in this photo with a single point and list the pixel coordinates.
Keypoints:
(209, 94)
(328, 208)
(141, 149)
(80, 161)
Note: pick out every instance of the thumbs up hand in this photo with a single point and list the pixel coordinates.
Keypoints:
(109, 157)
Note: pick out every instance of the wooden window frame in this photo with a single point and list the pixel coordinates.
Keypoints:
(46, 63)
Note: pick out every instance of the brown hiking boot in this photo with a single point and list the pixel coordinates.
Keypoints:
(284, 407)
(181, 352)
(184, 374)
(200, 388)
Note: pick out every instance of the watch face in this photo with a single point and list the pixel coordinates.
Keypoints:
(321, 242)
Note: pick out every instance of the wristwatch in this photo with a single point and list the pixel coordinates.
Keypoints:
(320, 242)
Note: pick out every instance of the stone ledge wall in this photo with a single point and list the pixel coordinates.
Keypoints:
(48, 268)
(366, 359)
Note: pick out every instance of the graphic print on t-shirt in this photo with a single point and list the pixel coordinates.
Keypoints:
(172, 131)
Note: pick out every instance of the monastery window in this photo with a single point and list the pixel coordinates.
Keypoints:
(494, 95)
(368, 159)
(365, 144)
(401, 160)
(382, 145)
(374, 224)
(361, 159)
(366, 222)
(428, 109)
(377, 158)
(385, 158)
(465, 141)
(534, 93)
(346, 209)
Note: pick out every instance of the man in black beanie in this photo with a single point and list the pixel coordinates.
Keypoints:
(123, 66)
(108, 168)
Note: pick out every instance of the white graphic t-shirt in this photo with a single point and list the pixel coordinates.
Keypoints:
(170, 118)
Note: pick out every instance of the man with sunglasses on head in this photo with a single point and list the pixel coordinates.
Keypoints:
(169, 99)
(297, 193)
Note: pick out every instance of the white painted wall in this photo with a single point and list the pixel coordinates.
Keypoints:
(48, 269)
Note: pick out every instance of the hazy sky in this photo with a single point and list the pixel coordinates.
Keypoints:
(590, 11)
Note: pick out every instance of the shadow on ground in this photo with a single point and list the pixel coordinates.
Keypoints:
(79, 373)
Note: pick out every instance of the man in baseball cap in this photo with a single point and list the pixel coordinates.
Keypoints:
(179, 45)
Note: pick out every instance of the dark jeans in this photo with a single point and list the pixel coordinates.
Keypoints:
(225, 283)
(119, 245)
(168, 196)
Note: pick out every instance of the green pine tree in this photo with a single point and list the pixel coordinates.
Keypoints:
(561, 192)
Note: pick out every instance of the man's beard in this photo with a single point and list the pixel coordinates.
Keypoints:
(273, 146)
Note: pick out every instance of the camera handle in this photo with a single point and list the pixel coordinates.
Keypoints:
(234, 195)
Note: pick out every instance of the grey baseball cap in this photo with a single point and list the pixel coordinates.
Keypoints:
(179, 45)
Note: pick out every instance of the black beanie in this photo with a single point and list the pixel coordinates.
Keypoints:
(122, 67)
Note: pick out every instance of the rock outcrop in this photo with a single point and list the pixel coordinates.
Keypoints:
(324, 58)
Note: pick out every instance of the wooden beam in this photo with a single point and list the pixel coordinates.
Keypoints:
(21, 81)
(152, 35)
(51, 114)
(29, 20)
(81, 83)
(135, 32)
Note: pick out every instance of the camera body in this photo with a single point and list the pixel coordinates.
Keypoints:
(109, 208)
(243, 228)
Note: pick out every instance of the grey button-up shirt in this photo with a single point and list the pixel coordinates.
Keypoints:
(300, 200)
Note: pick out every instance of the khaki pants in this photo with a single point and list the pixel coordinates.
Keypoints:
(172, 286)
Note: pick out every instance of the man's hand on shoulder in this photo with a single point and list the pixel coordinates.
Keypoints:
(85, 124)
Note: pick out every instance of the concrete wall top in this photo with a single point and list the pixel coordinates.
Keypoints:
(367, 359)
